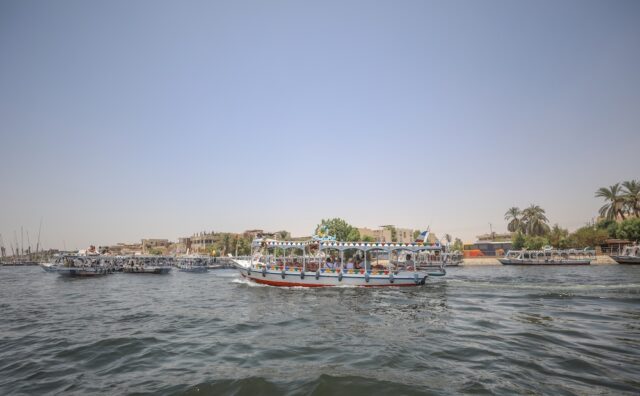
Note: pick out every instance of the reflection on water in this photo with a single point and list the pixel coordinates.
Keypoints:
(501, 330)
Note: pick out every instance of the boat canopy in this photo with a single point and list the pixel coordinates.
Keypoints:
(364, 246)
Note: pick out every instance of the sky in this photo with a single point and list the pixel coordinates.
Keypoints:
(124, 120)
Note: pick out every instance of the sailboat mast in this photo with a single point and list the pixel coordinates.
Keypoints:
(39, 230)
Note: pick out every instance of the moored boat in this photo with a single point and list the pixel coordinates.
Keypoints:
(192, 264)
(147, 265)
(629, 255)
(83, 266)
(323, 263)
(548, 256)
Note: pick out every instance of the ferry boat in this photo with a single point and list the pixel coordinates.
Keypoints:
(548, 256)
(630, 255)
(192, 264)
(82, 266)
(147, 265)
(323, 263)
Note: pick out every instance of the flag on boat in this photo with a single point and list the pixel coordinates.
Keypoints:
(423, 236)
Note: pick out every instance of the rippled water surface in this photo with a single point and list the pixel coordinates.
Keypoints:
(481, 330)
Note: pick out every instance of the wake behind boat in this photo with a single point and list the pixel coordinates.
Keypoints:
(322, 263)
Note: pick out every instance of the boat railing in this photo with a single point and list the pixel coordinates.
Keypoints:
(551, 255)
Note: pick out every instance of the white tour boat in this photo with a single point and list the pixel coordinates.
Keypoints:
(147, 265)
(82, 266)
(549, 256)
(322, 263)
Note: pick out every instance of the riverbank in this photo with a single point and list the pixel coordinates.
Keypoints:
(478, 261)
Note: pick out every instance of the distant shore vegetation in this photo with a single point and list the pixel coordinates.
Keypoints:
(619, 219)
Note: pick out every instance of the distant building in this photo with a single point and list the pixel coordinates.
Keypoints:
(379, 235)
(123, 249)
(383, 234)
(202, 241)
(405, 235)
(154, 244)
(495, 237)
(253, 233)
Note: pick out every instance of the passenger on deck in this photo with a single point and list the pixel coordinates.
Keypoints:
(350, 264)
(329, 264)
(408, 263)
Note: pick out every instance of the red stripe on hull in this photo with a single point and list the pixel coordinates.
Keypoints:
(292, 284)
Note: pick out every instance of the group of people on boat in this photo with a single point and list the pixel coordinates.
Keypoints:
(353, 263)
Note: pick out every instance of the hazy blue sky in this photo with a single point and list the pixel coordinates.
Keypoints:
(121, 120)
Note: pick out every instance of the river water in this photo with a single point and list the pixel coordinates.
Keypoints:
(480, 330)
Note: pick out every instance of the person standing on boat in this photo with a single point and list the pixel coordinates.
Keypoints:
(408, 263)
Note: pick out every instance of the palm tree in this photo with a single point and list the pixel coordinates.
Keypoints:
(616, 202)
(535, 220)
(632, 196)
(513, 215)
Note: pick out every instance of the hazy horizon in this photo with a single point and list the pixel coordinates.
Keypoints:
(151, 119)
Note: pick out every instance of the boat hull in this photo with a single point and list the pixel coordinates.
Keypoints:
(626, 259)
(48, 267)
(544, 263)
(198, 270)
(152, 270)
(81, 272)
(294, 278)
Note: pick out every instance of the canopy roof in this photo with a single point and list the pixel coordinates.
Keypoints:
(347, 245)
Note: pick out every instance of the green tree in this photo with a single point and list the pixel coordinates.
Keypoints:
(587, 236)
(514, 217)
(517, 241)
(629, 229)
(533, 242)
(632, 197)
(611, 226)
(457, 245)
(535, 221)
(368, 238)
(557, 236)
(283, 235)
(339, 228)
(224, 243)
(615, 202)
